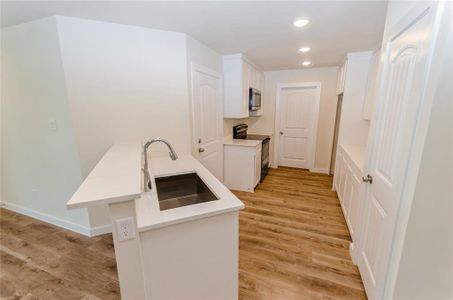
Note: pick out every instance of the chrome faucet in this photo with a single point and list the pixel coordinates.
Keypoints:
(173, 156)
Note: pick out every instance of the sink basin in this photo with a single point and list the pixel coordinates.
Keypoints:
(182, 190)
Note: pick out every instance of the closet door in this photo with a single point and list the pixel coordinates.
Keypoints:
(400, 95)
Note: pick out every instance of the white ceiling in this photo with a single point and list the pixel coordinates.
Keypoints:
(260, 29)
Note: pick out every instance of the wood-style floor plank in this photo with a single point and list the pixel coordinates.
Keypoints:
(42, 261)
(294, 240)
(293, 245)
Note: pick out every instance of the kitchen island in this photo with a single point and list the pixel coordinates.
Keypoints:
(177, 241)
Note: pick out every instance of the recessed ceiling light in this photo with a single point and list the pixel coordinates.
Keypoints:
(300, 23)
(306, 63)
(304, 49)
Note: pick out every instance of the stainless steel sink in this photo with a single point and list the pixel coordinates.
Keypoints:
(182, 190)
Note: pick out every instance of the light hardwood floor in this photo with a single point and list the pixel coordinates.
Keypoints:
(293, 245)
(294, 240)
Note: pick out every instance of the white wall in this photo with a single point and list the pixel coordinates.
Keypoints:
(426, 266)
(123, 83)
(39, 165)
(202, 55)
(327, 109)
(101, 83)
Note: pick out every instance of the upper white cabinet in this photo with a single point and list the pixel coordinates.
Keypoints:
(255, 78)
(239, 75)
(353, 129)
(370, 96)
(341, 78)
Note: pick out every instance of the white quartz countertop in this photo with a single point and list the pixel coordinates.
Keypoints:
(116, 178)
(240, 142)
(149, 215)
(357, 154)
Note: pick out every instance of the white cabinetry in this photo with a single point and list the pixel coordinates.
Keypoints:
(353, 129)
(242, 166)
(239, 75)
(255, 78)
(370, 96)
(347, 182)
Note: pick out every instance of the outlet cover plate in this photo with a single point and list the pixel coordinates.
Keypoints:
(125, 229)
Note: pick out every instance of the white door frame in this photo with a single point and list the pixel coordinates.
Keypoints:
(434, 61)
(194, 67)
(437, 10)
(280, 88)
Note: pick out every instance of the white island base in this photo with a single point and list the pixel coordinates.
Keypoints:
(197, 259)
(188, 252)
(193, 260)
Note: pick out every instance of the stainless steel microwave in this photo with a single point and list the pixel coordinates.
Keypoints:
(254, 99)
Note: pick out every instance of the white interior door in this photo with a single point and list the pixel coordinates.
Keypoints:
(207, 119)
(399, 98)
(298, 110)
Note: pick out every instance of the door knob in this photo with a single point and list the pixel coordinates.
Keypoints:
(200, 150)
(281, 132)
(368, 178)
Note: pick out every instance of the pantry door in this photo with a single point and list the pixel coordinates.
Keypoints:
(297, 120)
(207, 120)
(401, 93)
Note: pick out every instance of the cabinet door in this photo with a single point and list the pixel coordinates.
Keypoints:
(258, 164)
(353, 215)
(246, 71)
(253, 83)
(347, 190)
(258, 80)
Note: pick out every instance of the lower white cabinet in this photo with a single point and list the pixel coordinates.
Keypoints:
(347, 183)
(258, 164)
(242, 167)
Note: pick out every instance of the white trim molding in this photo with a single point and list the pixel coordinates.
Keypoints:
(87, 231)
(100, 230)
(320, 170)
(280, 88)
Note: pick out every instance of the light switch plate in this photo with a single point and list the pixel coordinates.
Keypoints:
(125, 229)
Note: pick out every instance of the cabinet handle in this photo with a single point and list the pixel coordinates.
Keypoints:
(368, 178)
(200, 150)
(281, 132)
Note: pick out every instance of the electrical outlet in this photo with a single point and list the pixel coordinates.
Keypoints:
(125, 229)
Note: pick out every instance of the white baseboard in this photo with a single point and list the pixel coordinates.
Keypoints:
(351, 252)
(320, 170)
(101, 230)
(87, 231)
